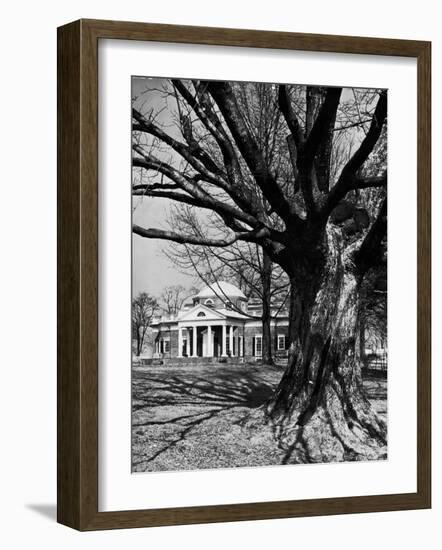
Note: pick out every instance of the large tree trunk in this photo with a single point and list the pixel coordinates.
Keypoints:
(266, 281)
(320, 410)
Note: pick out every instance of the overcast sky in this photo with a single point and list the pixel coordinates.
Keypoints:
(151, 270)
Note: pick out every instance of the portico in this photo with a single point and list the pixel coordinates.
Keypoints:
(213, 339)
(205, 332)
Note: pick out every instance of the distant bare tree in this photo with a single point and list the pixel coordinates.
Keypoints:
(373, 309)
(144, 308)
(172, 299)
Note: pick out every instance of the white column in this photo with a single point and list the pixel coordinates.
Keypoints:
(224, 351)
(194, 334)
(231, 339)
(188, 343)
(209, 342)
(180, 342)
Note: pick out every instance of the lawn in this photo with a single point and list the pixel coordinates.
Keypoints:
(190, 418)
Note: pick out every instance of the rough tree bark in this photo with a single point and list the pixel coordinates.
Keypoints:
(362, 339)
(320, 410)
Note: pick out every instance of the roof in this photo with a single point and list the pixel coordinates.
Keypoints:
(188, 301)
(221, 289)
(195, 314)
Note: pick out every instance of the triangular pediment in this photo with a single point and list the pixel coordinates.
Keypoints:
(200, 313)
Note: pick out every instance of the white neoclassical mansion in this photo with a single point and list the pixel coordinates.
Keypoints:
(218, 322)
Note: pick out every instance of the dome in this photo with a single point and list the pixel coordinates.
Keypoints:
(222, 290)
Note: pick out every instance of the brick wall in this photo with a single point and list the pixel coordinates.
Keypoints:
(173, 339)
(251, 332)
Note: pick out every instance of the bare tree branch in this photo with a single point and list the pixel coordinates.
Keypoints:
(201, 197)
(321, 126)
(289, 115)
(153, 233)
(203, 164)
(223, 95)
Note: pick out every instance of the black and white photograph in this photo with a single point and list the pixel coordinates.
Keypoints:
(259, 274)
(217, 333)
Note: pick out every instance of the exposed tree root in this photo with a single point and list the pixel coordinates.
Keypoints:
(339, 429)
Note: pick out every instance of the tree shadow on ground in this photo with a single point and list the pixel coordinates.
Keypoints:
(171, 407)
(246, 390)
(194, 399)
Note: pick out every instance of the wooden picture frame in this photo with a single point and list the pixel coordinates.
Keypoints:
(78, 274)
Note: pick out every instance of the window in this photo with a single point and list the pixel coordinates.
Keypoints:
(258, 346)
(281, 342)
(201, 314)
(209, 302)
(164, 345)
